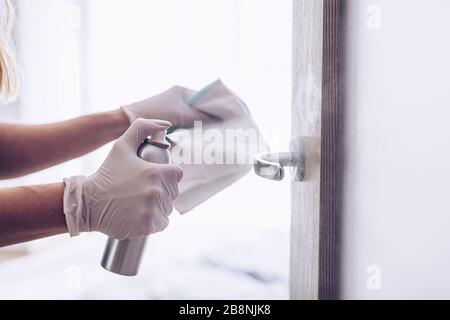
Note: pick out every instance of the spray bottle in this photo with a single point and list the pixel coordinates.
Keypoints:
(123, 257)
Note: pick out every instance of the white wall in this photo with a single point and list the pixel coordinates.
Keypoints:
(396, 195)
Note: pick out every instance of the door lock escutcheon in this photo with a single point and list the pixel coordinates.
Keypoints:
(272, 165)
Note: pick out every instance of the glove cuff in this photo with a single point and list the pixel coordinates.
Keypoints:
(77, 219)
(130, 115)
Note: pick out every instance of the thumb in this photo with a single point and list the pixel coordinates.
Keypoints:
(141, 129)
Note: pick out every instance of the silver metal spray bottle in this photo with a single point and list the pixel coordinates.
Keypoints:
(123, 257)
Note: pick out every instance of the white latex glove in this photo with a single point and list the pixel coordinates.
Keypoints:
(127, 197)
(170, 105)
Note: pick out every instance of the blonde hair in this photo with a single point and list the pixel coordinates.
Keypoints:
(9, 70)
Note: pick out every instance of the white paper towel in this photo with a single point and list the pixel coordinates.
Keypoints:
(215, 155)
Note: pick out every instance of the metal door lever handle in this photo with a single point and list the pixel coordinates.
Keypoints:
(271, 165)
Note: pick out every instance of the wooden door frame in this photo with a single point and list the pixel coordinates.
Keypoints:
(317, 115)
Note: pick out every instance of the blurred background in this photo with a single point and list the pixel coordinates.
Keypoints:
(81, 57)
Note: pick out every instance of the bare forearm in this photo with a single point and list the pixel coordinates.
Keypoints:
(26, 149)
(30, 213)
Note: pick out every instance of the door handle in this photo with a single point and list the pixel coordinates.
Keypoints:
(272, 165)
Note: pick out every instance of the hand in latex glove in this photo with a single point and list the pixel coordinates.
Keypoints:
(169, 105)
(127, 197)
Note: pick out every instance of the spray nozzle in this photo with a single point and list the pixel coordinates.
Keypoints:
(159, 136)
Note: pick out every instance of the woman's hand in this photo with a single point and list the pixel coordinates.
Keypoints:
(127, 197)
(169, 105)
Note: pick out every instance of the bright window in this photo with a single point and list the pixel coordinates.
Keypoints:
(88, 56)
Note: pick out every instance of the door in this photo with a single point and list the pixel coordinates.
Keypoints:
(370, 220)
(396, 243)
